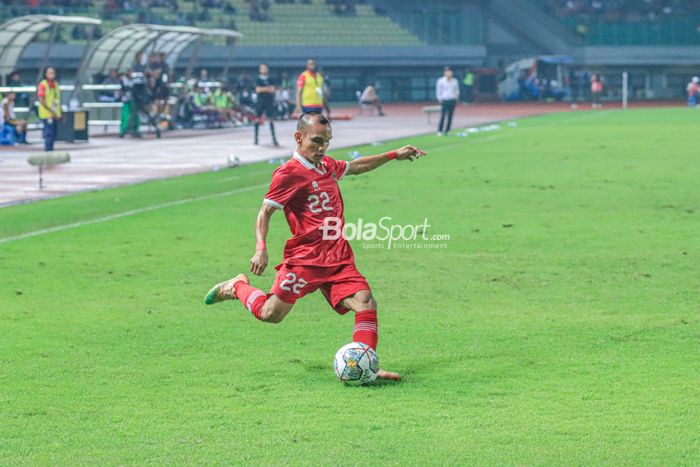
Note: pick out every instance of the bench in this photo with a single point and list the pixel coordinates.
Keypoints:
(431, 109)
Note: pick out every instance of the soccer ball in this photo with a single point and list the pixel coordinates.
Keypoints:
(356, 363)
(234, 161)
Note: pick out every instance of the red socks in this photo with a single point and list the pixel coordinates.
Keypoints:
(253, 299)
(366, 328)
(365, 321)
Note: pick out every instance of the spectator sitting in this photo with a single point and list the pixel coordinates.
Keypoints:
(203, 75)
(369, 97)
(224, 102)
(256, 13)
(14, 80)
(627, 10)
(283, 103)
(200, 103)
(138, 66)
(110, 95)
(77, 33)
(154, 65)
(9, 121)
(229, 9)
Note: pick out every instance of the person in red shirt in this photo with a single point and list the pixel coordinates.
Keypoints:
(596, 91)
(306, 189)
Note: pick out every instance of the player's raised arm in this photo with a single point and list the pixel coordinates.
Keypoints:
(258, 262)
(367, 163)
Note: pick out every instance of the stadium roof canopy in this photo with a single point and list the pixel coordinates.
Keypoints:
(118, 47)
(17, 33)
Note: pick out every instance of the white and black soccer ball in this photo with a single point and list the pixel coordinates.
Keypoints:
(356, 363)
(233, 161)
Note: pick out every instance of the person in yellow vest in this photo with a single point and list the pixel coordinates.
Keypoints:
(310, 95)
(48, 94)
(468, 86)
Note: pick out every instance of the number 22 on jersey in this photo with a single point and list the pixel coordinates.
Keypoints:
(318, 203)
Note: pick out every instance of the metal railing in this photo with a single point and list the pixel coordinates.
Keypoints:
(103, 113)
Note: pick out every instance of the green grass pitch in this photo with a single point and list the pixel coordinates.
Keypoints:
(559, 326)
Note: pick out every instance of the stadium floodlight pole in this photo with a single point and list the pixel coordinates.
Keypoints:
(624, 90)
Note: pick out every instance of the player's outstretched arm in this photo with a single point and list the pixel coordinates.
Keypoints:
(258, 262)
(367, 163)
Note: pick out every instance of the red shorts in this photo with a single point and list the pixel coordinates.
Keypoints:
(336, 283)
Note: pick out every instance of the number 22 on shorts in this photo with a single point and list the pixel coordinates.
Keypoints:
(292, 283)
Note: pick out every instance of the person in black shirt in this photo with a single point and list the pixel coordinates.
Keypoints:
(265, 89)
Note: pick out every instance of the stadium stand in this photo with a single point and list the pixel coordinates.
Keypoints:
(401, 45)
(291, 25)
(629, 23)
(296, 23)
(391, 22)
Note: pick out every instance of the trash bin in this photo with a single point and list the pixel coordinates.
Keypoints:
(73, 126)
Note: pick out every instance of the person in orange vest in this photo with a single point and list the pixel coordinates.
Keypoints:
(310, 95)
(48, 94)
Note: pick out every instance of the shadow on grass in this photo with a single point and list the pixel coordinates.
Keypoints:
(320, 370)
(379, 383)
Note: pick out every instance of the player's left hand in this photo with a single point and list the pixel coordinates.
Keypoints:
(409, 153)
(383, 374)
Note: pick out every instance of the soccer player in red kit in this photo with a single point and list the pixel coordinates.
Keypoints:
(306, 189)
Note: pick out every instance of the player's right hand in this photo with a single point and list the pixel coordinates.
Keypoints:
(409, 153)
(258, 262)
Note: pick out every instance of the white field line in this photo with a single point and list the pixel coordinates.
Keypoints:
(154, 207)
(517, 131)
(236, 177)
(111, 217)
(228, 179)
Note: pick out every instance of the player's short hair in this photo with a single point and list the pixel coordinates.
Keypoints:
(309, 118)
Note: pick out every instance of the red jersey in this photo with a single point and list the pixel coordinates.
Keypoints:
(309, 194)
(41, 89)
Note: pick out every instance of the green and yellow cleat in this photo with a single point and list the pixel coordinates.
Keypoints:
(224, 290)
